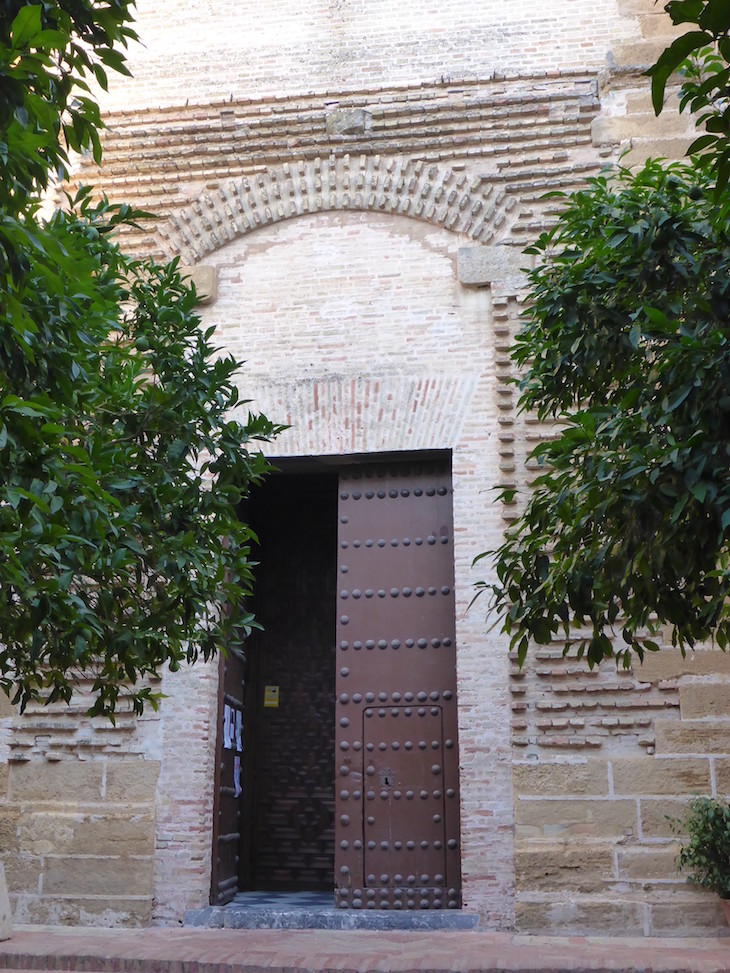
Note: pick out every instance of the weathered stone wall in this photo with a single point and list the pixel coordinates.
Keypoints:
(352, 184)
(77, 805)
(602, 761)
(110, 824)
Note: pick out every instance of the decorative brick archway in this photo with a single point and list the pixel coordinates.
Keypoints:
(436, 194)
(382, 409)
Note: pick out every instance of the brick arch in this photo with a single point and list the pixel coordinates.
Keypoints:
(417, 189)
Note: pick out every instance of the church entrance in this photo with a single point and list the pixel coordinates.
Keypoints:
(348, 769)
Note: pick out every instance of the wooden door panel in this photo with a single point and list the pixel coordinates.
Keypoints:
(399, 772)
(397, 804)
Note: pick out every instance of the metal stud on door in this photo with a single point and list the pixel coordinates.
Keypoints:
(397, 803)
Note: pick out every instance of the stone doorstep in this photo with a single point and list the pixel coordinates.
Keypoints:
(239, 917)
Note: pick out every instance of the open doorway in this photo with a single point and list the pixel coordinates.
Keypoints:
(289, 744)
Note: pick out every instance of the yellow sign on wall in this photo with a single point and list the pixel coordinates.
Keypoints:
(271, 697)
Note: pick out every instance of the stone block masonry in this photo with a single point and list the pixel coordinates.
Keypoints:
(603, 800)
(78, 840)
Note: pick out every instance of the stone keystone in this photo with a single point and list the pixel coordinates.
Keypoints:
(205, 280)
(479, 266)
(349, 121)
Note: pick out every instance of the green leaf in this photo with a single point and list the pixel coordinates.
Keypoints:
(723, 172)
(12, 403)
(677, 398)
(656, 316)
(49, 40)
(25, 26)
(716, 16)
(701, 143)
(685, 11)
(679, 507)
(699, 491)
(670, 59)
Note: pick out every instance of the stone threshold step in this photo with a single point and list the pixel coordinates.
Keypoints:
(240, 917)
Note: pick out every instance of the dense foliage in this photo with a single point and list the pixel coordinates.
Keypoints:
(705, 855)
(626, 344)
(120, 464)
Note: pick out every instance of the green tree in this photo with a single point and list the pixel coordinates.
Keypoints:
(626, 343)
(120, 464)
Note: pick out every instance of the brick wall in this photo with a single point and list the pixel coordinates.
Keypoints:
(184, 801)
(353, 183)
(356, 332)
(203, 52)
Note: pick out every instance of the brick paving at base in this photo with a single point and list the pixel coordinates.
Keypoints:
(176, 950)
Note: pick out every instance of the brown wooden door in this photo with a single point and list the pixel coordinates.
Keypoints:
(227, 811)
(397, 802)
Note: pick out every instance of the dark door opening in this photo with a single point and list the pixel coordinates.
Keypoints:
(289, 739)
